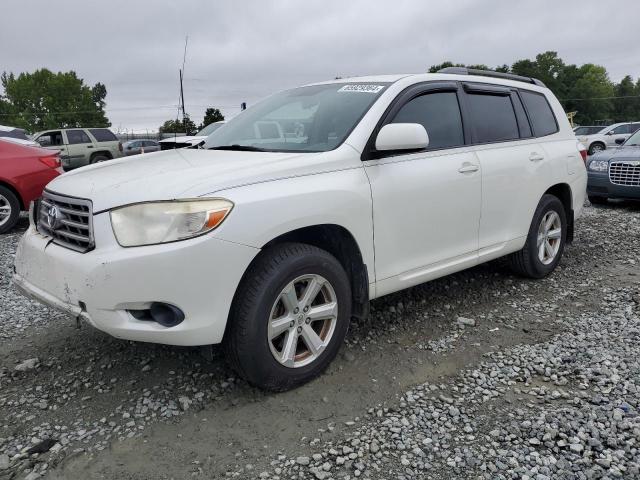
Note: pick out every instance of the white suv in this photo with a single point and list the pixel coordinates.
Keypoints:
(272, 242)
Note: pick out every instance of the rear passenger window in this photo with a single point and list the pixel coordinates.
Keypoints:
(439, 114)
(77, 136)
(103, 135)
(493, 117)
(542, 118)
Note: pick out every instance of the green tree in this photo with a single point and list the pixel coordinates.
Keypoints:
(177, 126)
(625, 106)
(43, 100)
(592, 92)
(211, 115)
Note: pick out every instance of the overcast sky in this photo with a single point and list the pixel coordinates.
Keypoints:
(243, 50)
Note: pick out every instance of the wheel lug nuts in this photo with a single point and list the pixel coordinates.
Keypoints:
(296, 310)
(299, 329)
(308, 320)
(306, 309)
(291, 324)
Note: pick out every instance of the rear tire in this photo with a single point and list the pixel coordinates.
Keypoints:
(98, 158)
(270, 325)
(9, 209)
(543, 250)
(597, 200)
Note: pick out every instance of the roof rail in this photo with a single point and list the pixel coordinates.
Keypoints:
(490, 73)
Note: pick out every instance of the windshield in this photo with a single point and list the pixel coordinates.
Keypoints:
(633, 140)
(307, 119)
(209, 129)
(587, 130)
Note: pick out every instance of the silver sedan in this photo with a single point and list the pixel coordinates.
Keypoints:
(135, 147)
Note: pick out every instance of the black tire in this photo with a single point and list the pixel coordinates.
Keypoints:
(98, 158)
(596, 147)
(246, 341)
(526, 262)
(597, 200)
(9, 200)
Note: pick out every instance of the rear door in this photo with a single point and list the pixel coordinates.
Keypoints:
(426, 204)
(514, 166)
(80, 147)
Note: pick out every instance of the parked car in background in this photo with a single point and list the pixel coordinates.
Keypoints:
(387, 184)
(13, 132)
(24, 172)
(135, 147)
(190, 141)
(608, 137)
(585, 130)
(615, 173)
(81, 146)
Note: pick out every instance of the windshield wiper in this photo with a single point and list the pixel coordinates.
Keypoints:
(239, 148)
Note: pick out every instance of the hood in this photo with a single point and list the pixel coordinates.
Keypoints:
(184, 139)
(185, 173)
(620, 153)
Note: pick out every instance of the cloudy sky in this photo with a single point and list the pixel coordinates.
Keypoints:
(242, 50)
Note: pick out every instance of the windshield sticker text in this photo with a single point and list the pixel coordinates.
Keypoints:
(361, 88)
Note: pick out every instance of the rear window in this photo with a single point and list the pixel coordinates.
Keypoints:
(103, 135)
(493, 117)
(541, 116)
(77, 136)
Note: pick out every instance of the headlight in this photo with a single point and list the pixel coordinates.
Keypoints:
(161, 222)
(598, 165)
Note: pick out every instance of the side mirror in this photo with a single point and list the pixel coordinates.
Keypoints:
(619, 141)
(609, 133)
(402, 136)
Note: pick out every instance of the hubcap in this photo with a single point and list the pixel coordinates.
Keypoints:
(302, 321)
(549, 237)
(5, 210)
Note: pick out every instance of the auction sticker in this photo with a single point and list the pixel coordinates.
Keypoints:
(361, 88)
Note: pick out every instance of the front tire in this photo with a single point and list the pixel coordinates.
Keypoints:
(9, 209)
(289, 317)
(545, 241)
(596, 147)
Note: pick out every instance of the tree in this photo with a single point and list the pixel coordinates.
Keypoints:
(177, 126)
(593, 91)
(211, 115)
(42, 100)
(625, 106)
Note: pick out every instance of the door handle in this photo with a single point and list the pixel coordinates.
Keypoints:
(89, 146)
(536, 157)
(468, 168)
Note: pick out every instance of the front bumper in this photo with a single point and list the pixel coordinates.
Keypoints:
(599, 185)
(200, 276)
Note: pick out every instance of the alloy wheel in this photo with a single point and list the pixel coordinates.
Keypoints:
(302, 320)
(549, 237)
(5, 210)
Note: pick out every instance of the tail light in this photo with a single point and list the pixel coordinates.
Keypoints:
(583, 152)
(120, 146)
(52, 161)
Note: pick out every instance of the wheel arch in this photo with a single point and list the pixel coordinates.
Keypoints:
(562, 191)
(340, 243)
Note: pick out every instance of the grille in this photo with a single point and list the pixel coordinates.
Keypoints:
(67, 220)
(625, 173)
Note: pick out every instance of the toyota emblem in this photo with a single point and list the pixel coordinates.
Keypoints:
(53, 217)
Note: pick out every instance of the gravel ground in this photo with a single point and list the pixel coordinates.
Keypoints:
(476, 375)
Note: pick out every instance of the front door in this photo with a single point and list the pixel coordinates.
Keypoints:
(426, 204)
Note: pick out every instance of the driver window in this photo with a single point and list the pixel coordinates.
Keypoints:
(50, 139)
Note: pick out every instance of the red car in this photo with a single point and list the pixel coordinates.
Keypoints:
(24, 172)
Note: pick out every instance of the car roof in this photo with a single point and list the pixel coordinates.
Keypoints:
(426, 77)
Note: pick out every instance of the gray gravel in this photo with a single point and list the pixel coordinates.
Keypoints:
(549, 388)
